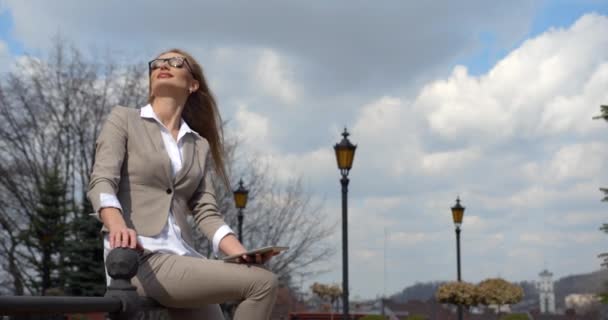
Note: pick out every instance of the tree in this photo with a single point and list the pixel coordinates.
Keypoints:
(498, 292)
(277, 213)
(46, 234)
(458, 293)
(327, 292)
(86, 276)
(604, 228)
(489, 292)
(52, 110)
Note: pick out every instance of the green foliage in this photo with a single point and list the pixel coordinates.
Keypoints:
(604, 256)
(86, 276)
(603, 113)
(46, 233)
(373, 317)
(604, 228)
(459, 293)
(70, 258)
(416, 317)
(514, 316)
(499, 292)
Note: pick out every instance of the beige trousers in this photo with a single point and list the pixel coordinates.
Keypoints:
(191, 288)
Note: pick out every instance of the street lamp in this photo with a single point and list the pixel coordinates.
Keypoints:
(345, 153)
(457, 215)
(240, 200)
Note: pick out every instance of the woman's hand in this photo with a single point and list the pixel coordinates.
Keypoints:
(119, 235)
(258, 258)
(230, 245)
(123, 237)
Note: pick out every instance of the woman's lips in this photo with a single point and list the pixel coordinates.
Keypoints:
(165, 75)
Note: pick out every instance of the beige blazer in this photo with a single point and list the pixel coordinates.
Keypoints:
(130, 161)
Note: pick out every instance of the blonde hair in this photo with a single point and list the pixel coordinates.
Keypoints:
(202, 115)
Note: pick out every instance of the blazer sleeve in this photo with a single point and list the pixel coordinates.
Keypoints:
(206, 213)
(110, 151)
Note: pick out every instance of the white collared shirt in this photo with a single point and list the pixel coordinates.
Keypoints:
(169, 239)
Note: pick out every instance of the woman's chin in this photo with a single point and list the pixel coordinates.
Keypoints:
(168, 89)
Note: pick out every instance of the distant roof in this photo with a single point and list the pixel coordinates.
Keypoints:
(545, 273)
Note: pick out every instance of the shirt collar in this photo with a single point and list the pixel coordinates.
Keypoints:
(148, 112)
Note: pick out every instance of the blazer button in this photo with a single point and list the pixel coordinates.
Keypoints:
(169, 191)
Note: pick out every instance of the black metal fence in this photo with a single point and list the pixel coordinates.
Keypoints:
(121, 301)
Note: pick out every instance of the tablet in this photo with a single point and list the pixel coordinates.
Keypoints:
(263, 250)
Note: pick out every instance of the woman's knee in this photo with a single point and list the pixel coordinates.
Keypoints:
(266, 283)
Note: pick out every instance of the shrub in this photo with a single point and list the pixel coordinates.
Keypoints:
(459, 293)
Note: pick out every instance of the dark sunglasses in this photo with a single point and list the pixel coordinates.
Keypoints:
(176, 62)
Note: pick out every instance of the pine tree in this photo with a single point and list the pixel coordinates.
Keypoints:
(86, 276)
(604, 227)
(46, 233)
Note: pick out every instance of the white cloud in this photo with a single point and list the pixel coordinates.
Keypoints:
(534, 256)
(440, 162)
(275, 78)
(386, 128)
(312, 165)
(582, 161)
(536, 238)
(567, 113)
(581, 218)
(349, 53)
(254, 132)
(534, 196)
(463, 104)
(540, 88)
(408, 239)
(252, 128)
(475, 223)
(560, 239)
(366, 254)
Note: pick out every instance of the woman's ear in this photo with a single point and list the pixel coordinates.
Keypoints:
(194, 86)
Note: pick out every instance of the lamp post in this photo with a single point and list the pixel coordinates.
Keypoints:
(240, 200)
(457, 215)
(345, 153)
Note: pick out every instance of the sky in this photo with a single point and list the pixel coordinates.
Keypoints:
(489, 101)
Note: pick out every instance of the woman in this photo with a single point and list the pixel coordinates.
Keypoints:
(149, 174)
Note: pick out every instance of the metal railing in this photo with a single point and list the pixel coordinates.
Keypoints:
(121, 300)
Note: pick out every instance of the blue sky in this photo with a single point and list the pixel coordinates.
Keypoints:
(547, 14)
(491, 101)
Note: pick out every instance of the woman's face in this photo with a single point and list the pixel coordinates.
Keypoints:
(172, 75)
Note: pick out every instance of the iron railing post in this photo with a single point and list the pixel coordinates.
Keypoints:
(122, 265)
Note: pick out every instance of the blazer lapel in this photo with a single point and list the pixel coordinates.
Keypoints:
(188, 157)
(153, 133)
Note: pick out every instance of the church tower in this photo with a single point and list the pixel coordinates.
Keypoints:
(546, 294)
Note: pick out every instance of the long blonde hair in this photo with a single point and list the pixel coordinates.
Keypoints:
(202, 115)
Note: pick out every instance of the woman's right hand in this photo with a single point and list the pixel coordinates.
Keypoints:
(123, 237)
(119, 235)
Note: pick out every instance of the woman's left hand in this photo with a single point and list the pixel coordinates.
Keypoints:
(257, 259)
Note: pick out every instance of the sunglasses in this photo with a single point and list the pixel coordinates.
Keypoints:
(176, 62)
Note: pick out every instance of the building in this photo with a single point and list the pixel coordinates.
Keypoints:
(582, 303)
(545, 292)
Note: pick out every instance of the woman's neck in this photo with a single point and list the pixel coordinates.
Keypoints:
(169, 111)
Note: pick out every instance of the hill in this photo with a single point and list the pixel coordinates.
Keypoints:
(594, 282)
